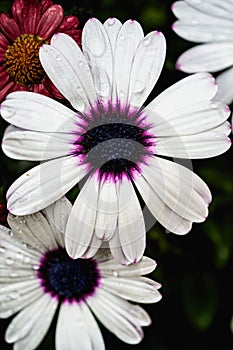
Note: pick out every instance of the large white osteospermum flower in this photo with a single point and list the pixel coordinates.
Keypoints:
(111, 142)
(37, 276)
(208, 22)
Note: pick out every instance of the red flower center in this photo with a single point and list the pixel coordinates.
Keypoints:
(22, 60)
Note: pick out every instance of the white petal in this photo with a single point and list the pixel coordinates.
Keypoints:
(190, 90)
(115, 314)
(97, 49)
(57, 215)
(128, 39)
(117, 250)
(147, 65)
(43, 185)
(93, 248)
(165, 215)
(29, 327)
(210, 57)
(33, 229)
(204, 145)
(15, 296)
(72, 330)
(174, 194)
(73, 54)
(81, 222)
(36, 112)
(217, 8)
(204, 29)
(192, 119)
(131, 289)
(107, 211)
(204, 11)
(178, 188)
(225, 86)
(31, 145)
(143, 267)
(132, 232)
(95, 335)
(112, 27)
(64, 76)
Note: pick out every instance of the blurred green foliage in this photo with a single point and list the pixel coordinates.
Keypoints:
(195, 270)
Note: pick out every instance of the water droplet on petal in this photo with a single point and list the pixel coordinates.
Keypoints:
(19, 256)
(9, 260)
(35, 267)
(115, 273)
(14, 294)
(2, 250)
(111, 21)
(139, 86)
(213, 105)
(26, 259)
(13, 274)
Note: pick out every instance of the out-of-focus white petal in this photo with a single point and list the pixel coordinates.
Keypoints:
(225, 86)
(209, 57)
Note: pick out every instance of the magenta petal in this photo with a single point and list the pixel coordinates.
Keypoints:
(45, 4)
(69, 22)
(50, 21)
(9, 26)
(27, 14)
(4, 78)
(3, 42)
(6, 90)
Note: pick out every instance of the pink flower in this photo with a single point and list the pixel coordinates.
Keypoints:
(32, 24)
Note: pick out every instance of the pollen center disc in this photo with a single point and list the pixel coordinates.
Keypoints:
(22, 60)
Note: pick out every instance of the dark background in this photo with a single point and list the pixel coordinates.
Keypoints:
(195, 270)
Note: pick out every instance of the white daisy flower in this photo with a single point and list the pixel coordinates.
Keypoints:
(208, 22)
(112, 142)
(37, 277)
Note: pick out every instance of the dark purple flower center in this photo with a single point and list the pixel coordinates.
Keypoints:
(66, 278)
(115, 140)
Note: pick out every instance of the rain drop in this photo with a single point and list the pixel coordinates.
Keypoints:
(9, 260)
(213, 105)
(26, 259)
(115, 273)
(111, 21)
(139, 86)
(2, 250)
(13, 274)
(35, 267)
